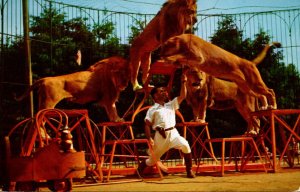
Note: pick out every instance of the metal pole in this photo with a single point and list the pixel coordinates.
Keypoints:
(2, 23)
(27, 52)
(1, 52)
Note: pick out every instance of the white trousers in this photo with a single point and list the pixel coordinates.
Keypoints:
(162, 145)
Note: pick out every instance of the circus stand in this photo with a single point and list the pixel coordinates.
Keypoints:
(57, 147)
(246, 152)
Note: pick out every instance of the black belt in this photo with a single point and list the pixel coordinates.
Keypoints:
(162, 131)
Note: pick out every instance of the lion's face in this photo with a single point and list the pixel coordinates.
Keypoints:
(115, 68)
(186, 12)
(189, 13)
(177, 17)
(196, 80)
(120, 72)
(122, 79)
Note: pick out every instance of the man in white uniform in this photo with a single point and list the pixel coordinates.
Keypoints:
(161, 117)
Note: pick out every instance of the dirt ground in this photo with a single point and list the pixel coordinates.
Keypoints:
(284, 180)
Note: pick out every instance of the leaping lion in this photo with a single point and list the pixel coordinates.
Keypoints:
(188, 49)
(174, 18)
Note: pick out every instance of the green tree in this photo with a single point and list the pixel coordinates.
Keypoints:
(228, 36)
(54, 47)
(108, 42)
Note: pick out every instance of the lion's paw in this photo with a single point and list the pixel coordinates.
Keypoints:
(272, 107)
(200, 120)
(119, 120)
(251, 132)
(265, 107)
(137, 87)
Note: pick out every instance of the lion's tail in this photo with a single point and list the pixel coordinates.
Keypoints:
(264, 52)
(31, 88)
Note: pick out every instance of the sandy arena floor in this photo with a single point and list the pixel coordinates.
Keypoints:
(285, 180)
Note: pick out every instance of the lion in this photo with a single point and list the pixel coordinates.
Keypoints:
(190, 50)
(205, 91)
(101, 83)
(174, 18)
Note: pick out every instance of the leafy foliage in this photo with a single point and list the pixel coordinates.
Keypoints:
(66, 37)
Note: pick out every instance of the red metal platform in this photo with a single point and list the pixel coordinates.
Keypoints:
(287, 123)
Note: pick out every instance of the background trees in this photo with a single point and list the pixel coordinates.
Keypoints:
(54, 48)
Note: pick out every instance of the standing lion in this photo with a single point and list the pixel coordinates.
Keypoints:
(174, 18)
(101, 83)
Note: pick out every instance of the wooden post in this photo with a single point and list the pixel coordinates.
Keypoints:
(27, 53)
